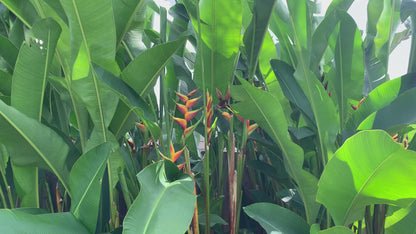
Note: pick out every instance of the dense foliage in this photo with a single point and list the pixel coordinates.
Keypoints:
(230, 116)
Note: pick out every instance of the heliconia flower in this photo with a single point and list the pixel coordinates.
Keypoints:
(219, 94)
(131, 144)
(209, 110)
(173, 154)
(190, 94)
(188, 131)
(191, 114)
(183, 98)
(227, 95)
(182, 108)
(141, 126)
(223, 101)
(227, 116)
(191, 102)
(181, 122)
(251, 128)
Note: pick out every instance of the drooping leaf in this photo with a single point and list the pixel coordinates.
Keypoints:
(142, 72)
(85, 183)
(32, 143)
(274, 218)
(369, 168)
(15, 221)
(266, 111)
(165, 191)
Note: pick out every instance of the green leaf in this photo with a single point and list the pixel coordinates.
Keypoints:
(265, 110)
(8, 51)
(381, 97)
(85, 183)
(370, 168)
(100, 101)
(165, 191)
(291, 89)
(220, 31)
(32, 68)
(125, 12)
(402, 221)
(92, 26)
(15, 221)
(349, 66)
(383, 20)
(149, 64)
(274, 218)
(280, 26)
(336, 230)
(22, 9)
(256, 31)
(31, 143)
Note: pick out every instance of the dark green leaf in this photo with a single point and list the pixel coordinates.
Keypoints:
(274, 218)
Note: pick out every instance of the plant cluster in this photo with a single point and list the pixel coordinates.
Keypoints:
(234, 116)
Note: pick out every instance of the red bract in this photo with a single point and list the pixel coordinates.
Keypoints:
(174, 155)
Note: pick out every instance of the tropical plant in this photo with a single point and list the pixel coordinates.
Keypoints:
(229, 116)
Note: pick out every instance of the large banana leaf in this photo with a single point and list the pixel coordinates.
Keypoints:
(265, 110)
(85, 182)
(370, 168)
(220, 30)
(28, 88)
(255, 33)
(92, 26)
(15, 221)
(142, 72)
(274, 218)
(32, 143)
(165, 203)
(32, 68)
(349, 66)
